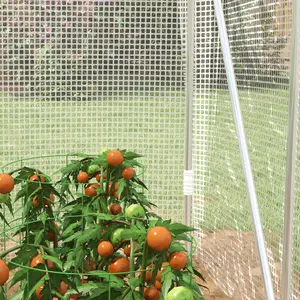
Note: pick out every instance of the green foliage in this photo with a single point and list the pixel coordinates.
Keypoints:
(67, 243)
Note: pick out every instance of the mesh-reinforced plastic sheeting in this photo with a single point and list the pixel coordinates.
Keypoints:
(79, 76)
(259, 36)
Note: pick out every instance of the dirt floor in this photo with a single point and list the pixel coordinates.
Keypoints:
(231, 258)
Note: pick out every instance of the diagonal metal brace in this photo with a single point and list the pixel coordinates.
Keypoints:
(260, 241)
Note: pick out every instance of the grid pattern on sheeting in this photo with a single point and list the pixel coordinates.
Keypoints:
(259, 35)
(79, 76)
(296, 229)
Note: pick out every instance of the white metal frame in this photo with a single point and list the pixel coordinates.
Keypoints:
(244, 150)
(291, 161)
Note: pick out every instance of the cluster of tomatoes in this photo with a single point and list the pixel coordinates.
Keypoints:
(143, 262)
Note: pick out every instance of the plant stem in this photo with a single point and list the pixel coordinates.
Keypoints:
(132, 253)
(144, 262)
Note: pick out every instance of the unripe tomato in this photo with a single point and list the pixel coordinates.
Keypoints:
(116, 237)
(135, 211)
(180, 292)
(92, 169)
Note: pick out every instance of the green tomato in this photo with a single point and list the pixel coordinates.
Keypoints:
(4, 198)
(116, 236)
(135, 211)
(181, 293)
(92, 169)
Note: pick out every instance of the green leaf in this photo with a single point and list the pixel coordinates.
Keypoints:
(137, 296)
(70, 228)
(175, 247)
(73, 166)
(79, 257)
(44, 217)
(23, 257)
(177, 228)
(134, 282)
(18, 276)
(39, 237)
(198, 274)
(133, 233)
(56, 260)
(131, 155)
(168, 279)
(72, 237)
(18, 296)
(100, 161)
(8, 204)
(3, 219)
(188, 281)
(138, 181)
(92, 233)
(183, 237)
(115, 282)
(21, 193)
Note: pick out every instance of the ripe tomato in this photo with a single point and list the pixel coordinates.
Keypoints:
(38, 259)
(35, 177)
(63, 288)
(98, 177)
(6, 183)
(157, 284)
(115, 209)
(105, 249)
(127, 248)
(180, 292)
(90, 265)
(112, 188)
(51, 234)
(82, 177)
(38, 292)
(178, 260)
(163, 267)
(128, 173)
(4, 272)
(51, 198)
(159, 238)
(91, 190)
(119, 265)
(75, 296)
(115, 158)
(35, 203)
(152, 293)
(148, 274)
(50, 264)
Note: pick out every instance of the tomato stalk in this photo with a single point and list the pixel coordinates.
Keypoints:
(144, 262)
(132, 252)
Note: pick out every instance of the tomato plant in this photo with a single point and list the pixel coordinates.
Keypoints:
(99, 239)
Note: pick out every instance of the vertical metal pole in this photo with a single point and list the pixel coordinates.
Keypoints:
(292, 143)
(244, 150)
(189, 109)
